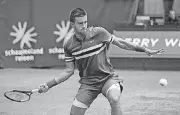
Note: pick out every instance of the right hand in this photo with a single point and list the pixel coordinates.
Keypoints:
(43, 88)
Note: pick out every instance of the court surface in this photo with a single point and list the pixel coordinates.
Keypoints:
(142, 93)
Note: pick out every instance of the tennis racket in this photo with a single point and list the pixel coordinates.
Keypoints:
(19, 95)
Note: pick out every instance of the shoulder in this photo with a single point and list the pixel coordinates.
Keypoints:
(93, 31)
(96, 30)
(100, 30)
(67, 42)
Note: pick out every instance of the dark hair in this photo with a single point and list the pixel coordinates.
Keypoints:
(77, 12)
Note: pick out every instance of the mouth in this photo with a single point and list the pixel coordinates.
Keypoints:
(85, 30)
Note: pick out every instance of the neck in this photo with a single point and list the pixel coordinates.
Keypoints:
(80, 37)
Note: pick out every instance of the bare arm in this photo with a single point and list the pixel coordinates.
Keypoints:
(67, 73)
(126, 44)
(134, 47)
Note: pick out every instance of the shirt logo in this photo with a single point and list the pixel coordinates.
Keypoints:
(21, 35)
(91, 41)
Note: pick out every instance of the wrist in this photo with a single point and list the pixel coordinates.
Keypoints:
(51, 83)
(140, 49)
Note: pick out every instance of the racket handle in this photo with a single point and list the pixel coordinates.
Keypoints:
(35, 90)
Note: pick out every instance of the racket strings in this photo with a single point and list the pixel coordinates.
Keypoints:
(17, 96)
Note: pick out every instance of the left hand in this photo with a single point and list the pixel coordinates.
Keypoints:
(154, 52)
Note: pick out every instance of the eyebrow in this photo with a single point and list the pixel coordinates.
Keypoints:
(82, 22)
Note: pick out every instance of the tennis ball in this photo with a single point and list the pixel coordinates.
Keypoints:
(163, 82)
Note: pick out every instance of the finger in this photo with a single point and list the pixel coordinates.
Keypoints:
(31, 30)
(150, 55)
(28, 44)
(40, 90)
(15, 28)
(33, 34)
(56, 32)
(59, 39)
(19, 25)
(42, 86)
(24, 25)
(33, 40)
(160, 51)
(16, 40)
(63, 24)
(58, 26)
(68, 24)
(22, 45)
(13, 34)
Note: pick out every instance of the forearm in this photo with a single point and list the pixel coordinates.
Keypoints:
(57, 80)
(134, 47)
(128, 45)
(139, 48)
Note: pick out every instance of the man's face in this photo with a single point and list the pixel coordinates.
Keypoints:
(80, 24)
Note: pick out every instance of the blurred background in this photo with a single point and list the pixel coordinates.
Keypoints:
(27, 27)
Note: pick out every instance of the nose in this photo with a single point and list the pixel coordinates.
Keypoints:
(84, 25)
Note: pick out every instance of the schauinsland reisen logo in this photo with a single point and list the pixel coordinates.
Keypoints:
(64, 32)
(25, 37)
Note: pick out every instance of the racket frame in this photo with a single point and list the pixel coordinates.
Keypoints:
(28, 93)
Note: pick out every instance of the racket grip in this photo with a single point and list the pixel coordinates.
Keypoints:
(35, 90)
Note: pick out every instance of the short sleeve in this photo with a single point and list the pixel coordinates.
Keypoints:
(68, 55)
(105, 36)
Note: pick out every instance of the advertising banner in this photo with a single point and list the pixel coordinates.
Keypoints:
(17, 34)
(22, 40)
(167, 40)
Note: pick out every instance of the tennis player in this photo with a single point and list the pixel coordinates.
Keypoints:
(87, 48)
